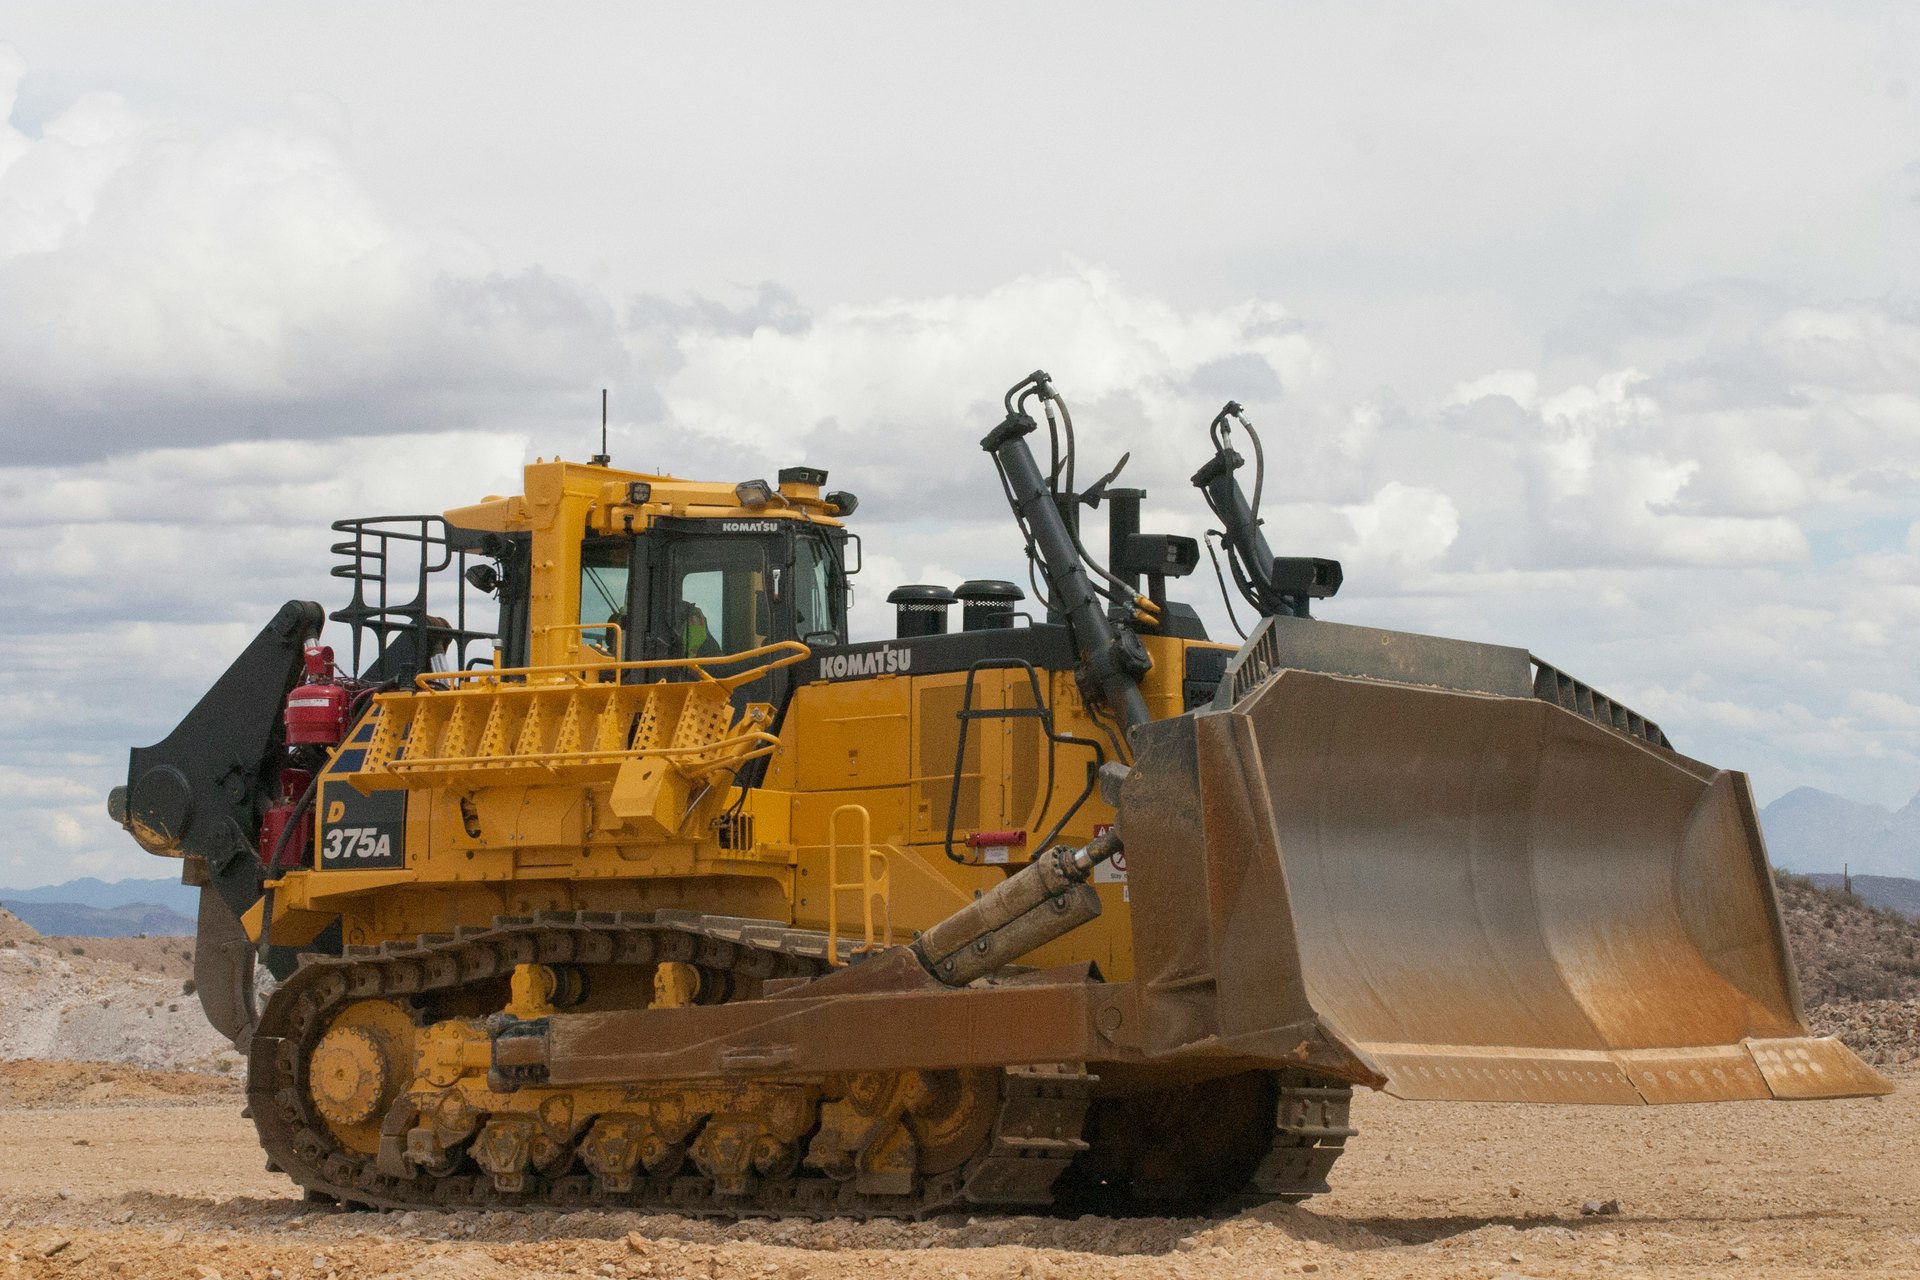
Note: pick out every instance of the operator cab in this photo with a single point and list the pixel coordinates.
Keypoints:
(668, 570)
(706, 587)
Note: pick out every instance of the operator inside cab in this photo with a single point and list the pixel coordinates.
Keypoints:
(696, 636)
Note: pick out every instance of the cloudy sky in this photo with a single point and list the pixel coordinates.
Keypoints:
(1590, 329)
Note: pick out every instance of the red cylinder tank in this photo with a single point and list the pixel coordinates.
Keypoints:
(316, 714)
(293, 852)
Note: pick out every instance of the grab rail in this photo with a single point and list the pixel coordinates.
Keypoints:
(868, 886)
(789, 651)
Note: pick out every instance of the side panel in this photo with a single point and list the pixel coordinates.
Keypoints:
(840, 747)
(857, 737)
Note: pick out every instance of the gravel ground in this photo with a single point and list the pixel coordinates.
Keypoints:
(1884, 1032)
(1428, 1190)
(130, 1166)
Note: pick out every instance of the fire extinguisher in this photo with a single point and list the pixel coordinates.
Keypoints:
(316, 717)
(316, 714)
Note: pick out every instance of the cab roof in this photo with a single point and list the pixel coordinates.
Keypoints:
(619, 501)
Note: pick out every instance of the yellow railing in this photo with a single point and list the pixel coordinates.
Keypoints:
(610, 631)
(590, 672)
(538, 722)
(870, 885)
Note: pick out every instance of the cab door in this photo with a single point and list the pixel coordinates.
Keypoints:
(715, 593)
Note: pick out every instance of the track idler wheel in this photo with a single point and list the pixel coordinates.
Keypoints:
(357, 1069)
(352, 1073)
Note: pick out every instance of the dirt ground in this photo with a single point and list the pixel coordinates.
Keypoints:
(129, 1173)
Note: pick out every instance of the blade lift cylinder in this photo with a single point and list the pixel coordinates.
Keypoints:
(1113, 660)
(1283, 585)
(1043, 900)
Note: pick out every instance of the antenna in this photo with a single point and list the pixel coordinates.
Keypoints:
(603, 458)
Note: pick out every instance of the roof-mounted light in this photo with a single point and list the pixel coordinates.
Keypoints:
(753, 494)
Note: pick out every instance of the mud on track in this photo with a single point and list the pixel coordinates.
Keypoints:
(159, 1177)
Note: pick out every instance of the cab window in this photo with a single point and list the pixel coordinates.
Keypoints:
(603, 591)
(817, 598)
(717, 597)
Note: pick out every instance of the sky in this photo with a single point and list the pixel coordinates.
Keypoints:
(1589, 329)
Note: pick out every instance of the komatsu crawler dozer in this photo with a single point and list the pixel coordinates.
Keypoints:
(627, 878)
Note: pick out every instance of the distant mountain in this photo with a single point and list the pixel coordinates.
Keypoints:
(90, 892)
(1809, 830)
(92, 908)
(1893, 893)
(71, 919)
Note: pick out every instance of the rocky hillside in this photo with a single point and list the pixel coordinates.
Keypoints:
(134, 920)
(1847, 951)
(1859, 968)
(94, 908)
(111, 1000)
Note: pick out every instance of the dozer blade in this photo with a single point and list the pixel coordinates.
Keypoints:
(1482, 895)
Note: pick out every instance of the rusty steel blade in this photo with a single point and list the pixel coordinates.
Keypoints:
(1480, 896)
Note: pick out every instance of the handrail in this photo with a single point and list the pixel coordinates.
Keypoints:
(868, 885)
(791, 651)
(583, 627)
(1041, 711)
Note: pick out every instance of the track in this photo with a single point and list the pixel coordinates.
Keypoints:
(868, 1145)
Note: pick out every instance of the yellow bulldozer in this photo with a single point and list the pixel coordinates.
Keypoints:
(617, 874)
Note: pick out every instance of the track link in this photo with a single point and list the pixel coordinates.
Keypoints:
(1310, 1130)
(1035, 1133)
(1038, 1130)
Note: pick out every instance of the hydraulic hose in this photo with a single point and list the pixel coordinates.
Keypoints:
(1247, 550)
(1113, 660)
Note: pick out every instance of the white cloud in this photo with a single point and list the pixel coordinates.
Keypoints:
(1859, 348)
(1885, 707)
(1522, 386)
(276, 291)
(1404, 525)
(1743, 483)
(173, 281)
(930, 365)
